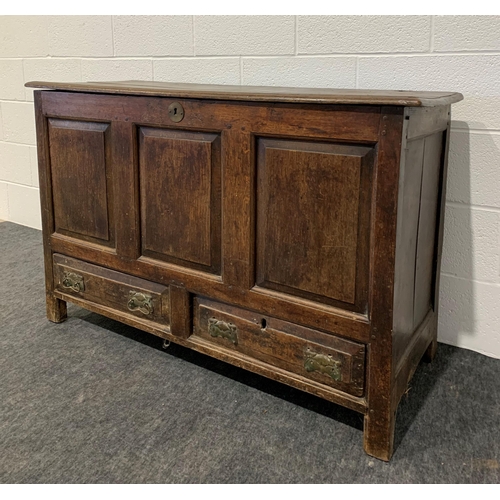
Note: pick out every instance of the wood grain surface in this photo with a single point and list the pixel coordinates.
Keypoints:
(256, 93)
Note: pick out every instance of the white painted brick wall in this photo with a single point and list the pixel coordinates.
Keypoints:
(16, 163)
(470, 314)
(153, 35)
(84, 36)
(34, 41)
(474, 33)
(116, 69)
(244, 35)
(200, 70)
(458, 53)
(360, 34)
(34, 166)
(474, 168)
(4, 207)
(471, 247)
(11, 79)
(24, 205)
(18, 122)
(294, 71)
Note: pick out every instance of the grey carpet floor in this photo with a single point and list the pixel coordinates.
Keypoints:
(94, 401)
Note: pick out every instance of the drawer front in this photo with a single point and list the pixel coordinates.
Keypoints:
(121, 292)
(314, 355)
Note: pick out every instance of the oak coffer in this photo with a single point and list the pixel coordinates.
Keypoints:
(295, 233)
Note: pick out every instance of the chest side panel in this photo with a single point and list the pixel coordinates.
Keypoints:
(421, 195)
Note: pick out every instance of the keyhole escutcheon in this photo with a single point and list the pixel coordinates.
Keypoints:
(176, 112)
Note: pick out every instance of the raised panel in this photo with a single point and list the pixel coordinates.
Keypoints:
(81, 179)
(410, 183)
(418, 214)
(313, 220)
(180, 197)
(428, 218)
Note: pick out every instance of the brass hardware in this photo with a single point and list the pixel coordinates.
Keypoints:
(219, 328)
(314, 361)
(140, 301)
(73, 281)
(176, 112)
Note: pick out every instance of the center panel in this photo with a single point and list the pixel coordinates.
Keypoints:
(180, 197)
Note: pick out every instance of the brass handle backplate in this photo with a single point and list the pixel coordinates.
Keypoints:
(73, 281)
(219, 328)
(142, 302)
(323, 363)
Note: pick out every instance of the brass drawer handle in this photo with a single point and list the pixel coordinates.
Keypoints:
(219, 328)
(142, 302)
(323, 363)
(73, 281)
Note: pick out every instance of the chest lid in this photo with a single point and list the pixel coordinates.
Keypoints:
(257, 93)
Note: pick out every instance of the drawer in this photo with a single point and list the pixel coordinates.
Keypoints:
(120, 292)
(312, 354)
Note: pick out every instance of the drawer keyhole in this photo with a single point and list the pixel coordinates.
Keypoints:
(263, 323)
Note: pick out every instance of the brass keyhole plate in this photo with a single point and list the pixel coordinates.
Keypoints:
(176, 112)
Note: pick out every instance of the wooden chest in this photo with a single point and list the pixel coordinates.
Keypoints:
(295, 233)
